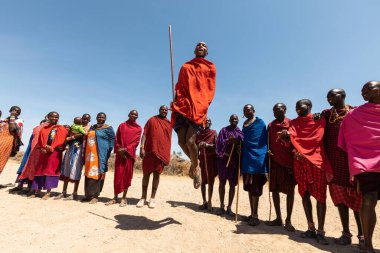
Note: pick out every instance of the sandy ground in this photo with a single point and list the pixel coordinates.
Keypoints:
(176, 225)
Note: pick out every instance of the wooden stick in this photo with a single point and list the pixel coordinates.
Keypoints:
(204, 154)
(238, 186)
(269, 165)
(171, 60)
(229, 157)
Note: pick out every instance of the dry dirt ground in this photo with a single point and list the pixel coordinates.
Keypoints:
(175, 225)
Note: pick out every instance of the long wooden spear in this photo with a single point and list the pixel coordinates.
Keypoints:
(238, 185)
(269, 153)
(171, 60)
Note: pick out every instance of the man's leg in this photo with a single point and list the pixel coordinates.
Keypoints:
(231, 195)
(222, 193)
(276, 204)
(182, 132)
(203, 192)
(345, 239)
(360, 231)
(191, 136)
(123, 201)
(210, 192)
(289, 211)
(145, 184)
(308, 208)
(321, 215)
(368, 218)
(156, 182)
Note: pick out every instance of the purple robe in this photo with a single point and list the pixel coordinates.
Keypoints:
(223, 149)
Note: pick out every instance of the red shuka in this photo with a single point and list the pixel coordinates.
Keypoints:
(306, 135)
(128, 137)
(195, 90)
(50, 164)
(282, 153)
(158, 138)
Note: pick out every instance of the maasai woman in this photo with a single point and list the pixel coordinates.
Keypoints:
(99, 145)
(25, 173)
(50, 144)
(72, 163)
(10, 136)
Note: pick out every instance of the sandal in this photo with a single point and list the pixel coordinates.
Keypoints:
(15, 189)
(361, 242)
(123, 202)
(152, 203)
(93, 201)
(229, 212)
(220, 211)
(343, 240)
(274, 223)
(61, 196)
(209, 207)
(321, 239)
(308, 234)
(141, 203)
(203, 206)
(289, 227)
(46, 196)
(73, 196)
(109, 203)
(254, 221)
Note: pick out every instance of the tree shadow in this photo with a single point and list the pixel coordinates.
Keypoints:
(243, 228)
(133, 222)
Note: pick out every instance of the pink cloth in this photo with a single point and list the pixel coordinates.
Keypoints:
(359, 136)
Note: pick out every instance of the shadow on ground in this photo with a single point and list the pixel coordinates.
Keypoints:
(133, 222)
(243, 228)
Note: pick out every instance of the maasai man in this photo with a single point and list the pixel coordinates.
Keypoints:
(228, 145)
(10, 135)
(72, 164)
(311, 166)
(29, 160)
(206, 141)
(127, 139)
(155, 152)
(359, 135)
(253, 162)
(194, 92)
(343, 192)
(99, 144)
(281, 174)
(50, 143)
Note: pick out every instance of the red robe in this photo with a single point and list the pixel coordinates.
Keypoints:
(50, 164)
(158, 138)
(128, 137)
(195, 90)
(281, 166)
(311, 171)
(207, 156)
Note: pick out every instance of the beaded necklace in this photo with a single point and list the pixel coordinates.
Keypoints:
(338, 117)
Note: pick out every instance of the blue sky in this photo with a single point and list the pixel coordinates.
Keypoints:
(79, 57)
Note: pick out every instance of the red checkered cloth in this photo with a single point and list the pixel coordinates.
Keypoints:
(347, 196)
(310, 179)
(338, 158)
(281, 179)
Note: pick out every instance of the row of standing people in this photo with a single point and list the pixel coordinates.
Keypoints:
(315, 151)
(44, 164)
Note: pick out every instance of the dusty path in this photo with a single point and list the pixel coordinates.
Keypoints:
(176, 225)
